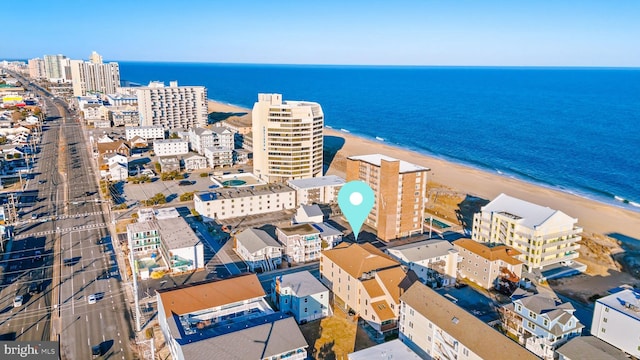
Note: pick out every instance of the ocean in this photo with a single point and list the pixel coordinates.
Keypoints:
(571, 129)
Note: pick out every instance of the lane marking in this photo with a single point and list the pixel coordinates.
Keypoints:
(87, 317)
(100, 316)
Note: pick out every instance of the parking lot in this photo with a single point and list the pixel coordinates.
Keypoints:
(133, 193)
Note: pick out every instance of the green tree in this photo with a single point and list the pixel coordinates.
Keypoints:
(204, 175)
(188, 196)
(174, 136)
(157, 167)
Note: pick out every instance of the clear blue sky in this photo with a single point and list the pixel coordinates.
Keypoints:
(402, 32)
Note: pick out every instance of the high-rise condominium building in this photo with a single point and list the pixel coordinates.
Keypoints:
(94, 77)
(37, 69)
(57, 68)
(400, 190)
(173, 106)
(544, 236)
(287, 138)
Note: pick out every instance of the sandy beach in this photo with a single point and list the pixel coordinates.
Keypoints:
(454, 178)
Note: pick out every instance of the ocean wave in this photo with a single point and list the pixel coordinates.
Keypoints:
(634, 204)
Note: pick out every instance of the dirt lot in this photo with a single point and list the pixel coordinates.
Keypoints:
(334, 337)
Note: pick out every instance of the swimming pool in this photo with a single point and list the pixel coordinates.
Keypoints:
(234, 182)
(437, 223)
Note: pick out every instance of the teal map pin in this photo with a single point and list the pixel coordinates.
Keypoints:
(356, 199)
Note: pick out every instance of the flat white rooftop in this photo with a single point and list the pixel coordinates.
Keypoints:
(316, 182)
(376, 159)
(626, 301)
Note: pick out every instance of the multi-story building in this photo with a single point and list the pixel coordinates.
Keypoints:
(88, 77)
(173, 106)
(95, 58)
(145, 132)
(302, 243)
(394, 349)
(366, 280)
(589, 347)
(126, 115)
(540, 323)
(318, 190)
(226, 319)
(287, 138)
(218, 156)
(202, 138)
(489, 266)
(258, 249)
(56, 68)
(544, 236)
(195, 162)
(301, 295)
(435, 262)
(616, 317)
(436, 328)
(143, 237)
(225, 203)
(400, 190)
(119, 99)
(37, 69)
(170, 147)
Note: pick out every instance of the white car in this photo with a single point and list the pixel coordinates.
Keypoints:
(91, 299)
(17, 301)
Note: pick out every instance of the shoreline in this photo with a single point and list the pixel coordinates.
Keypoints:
(451, 176)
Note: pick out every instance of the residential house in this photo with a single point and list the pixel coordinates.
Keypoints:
(195, 162)
(138, 142)
(616, 317)
(115, 167)
(495, 266)
(202, 138)
(226, 319)
(181, 249)
(435, 262)
(301, 295)
(241, 156)
(115, 147)
(302, 243)
(169, 164)
(366, 280)
(258, 249)
(436, 328)
(308, 214)
(541, 323)
(329, 235)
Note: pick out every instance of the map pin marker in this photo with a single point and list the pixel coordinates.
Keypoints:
(355, 199)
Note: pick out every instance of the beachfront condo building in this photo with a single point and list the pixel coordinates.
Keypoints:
(400, 190)
(543, 235)
(616, 317)
(56, 68)
(94, 77)
(37, 69)
(287, 139)
(172, 106)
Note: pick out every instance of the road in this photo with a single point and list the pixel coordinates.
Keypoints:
(78, 230)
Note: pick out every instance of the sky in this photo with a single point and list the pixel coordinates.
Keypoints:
(399, 32)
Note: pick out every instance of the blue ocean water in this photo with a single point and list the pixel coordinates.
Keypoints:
(573, 129)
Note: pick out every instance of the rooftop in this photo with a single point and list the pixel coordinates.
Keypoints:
(626, 301)
(463, 326)
(311, 210)
(423, 250)
(528, 214)
(175, 233)
(394, 349)
(376, 159)
(316, 182)
(302, 283)
(326, 229)
(237, 192)
(144, 226)
(542, 304)
(303, 229)
(194, 297)
(491, 253)
(357, 259)
(590, 347)
(170, 141)
(255, 239)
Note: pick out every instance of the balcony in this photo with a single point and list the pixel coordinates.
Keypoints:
(572, 248)
(570, 240)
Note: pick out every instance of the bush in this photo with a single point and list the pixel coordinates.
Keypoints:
(204, 175)
(186, 196)
(149, 333)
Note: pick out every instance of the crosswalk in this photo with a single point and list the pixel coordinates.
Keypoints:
(62, 230)
(75, 216)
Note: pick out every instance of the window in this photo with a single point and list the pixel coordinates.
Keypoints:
(532, 315)
(531, 325)
(306, 300)
(546, 322)
(465, 352)
(429, 338)
(604, 320)
(305, 309)
(410, 324)
(603, 330)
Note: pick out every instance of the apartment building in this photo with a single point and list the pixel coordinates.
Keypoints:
(170, 147)
(216, 137)
(318, 190)
(287, 139)
(37, 69)
(366, 280)
(126, 115)
(195, 162)
(616, 320)
(400, 190)
(301, 295)
(118, 99)
(258, 249)
(56, 68)
(218, 156)
(540, 323)
(143, 237)
(436, 328)
(302, 243)
(489, 266)
(226, 319)
(543, 235)
(173, 106)
(435, 262)
(226, 203)
(89, 77)
(145, 132)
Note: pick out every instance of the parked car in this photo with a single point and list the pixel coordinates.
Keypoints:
(91, 299)
(186, 182)
(34, 216)
(17, 301)
(33, 288)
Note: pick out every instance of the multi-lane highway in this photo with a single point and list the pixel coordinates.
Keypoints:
(75, 259)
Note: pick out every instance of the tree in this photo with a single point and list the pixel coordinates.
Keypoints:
(9, 156)
(158, 167)
(17, 156)
(188, 196)
(174, 136)
(204, 175)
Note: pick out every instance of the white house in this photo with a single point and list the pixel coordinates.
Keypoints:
(302, 243)
(616, 317)
(258, 249)
(117, 167)
(494, 266)
(540, 323)
(317, 190)
(170, 147)
(301, 295)
(195, 162)
(306, 214)
(181, 249)
(202, 138)
(434, 261)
